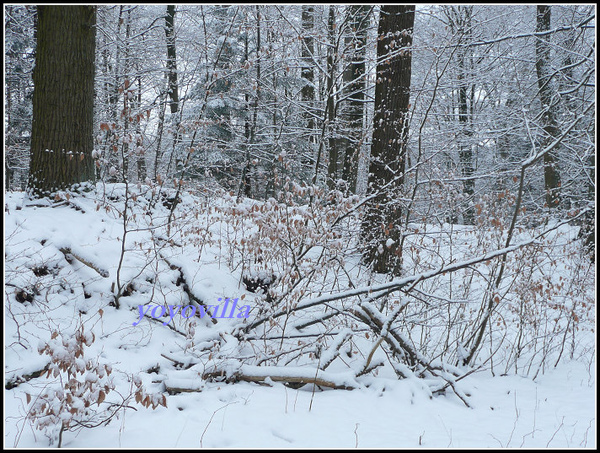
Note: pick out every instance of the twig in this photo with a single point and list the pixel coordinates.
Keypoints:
(370, 357)
(557, 430)
(210, 421)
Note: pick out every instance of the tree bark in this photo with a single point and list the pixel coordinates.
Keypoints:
(308, 74)
(390, 134)
(549, 105)
(332, 166)
(354, 76)
(172, 84)
(173, 89)
(63, 99)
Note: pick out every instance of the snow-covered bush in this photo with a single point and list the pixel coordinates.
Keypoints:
(76, 395)
(80, 387)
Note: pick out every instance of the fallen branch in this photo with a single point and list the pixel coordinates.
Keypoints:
(26, 377)
(186, 288)
(69, 253)
(333, 351)
(178, 363)
(287, 375)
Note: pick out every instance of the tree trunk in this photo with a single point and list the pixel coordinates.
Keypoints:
(332, 166)
(390, 135)
(173, 89)
(460, 20)
(114, 87)
(63, 99)
(308, 74)
(257, 101)
(355, 77)
(549, 106)
(245, 180)
(142, 168)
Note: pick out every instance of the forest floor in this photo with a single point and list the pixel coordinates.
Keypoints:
(65, 262)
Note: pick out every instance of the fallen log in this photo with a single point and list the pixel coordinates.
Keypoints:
(287, 375)
(174, 386)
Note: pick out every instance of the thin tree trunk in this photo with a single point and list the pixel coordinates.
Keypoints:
(549, 105)
(161, 125)
(172, 87)
(245, 180)
(113, 103)
(256, 100)
(127, 103)
(355, 77)
(308, 49)
(460, 21)
(332, 167)
(140, 152)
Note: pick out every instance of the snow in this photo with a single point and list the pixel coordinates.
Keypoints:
(557, 411)
(553, 409)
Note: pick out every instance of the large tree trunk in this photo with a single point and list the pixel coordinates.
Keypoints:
(390, 135)
(63, 99)
(549, 105)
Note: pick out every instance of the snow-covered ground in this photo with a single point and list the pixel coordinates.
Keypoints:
(61, 267)
(557, 410)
